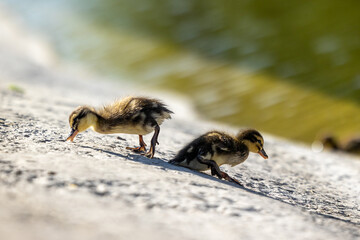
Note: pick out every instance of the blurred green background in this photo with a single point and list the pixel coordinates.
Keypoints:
(290, 68)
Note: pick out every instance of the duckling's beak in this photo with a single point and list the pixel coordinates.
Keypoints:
(263, 154)
(72, 135)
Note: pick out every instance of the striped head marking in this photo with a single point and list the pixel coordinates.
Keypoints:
(253, 140)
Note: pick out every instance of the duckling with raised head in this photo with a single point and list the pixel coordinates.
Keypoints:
(131, 115)
(214, 149)
(352, 145)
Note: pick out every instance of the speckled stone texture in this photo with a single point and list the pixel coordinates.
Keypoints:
(94, 188)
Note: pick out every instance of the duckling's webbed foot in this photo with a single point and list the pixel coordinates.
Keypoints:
(230, 179)
(215, 170)
(154, 141)
(142, 148)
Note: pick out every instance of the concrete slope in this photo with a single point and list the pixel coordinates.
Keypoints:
(96, 189)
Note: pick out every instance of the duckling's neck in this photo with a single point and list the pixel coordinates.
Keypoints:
(90, 121)
(249, 145)
(239, 145)
(98, 123)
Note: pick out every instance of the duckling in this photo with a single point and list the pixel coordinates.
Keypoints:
(214, 149)
(131, 115)
(351, 146)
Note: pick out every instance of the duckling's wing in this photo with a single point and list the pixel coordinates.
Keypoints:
(188, 153)
(222, 147)
(193, 158)
(202, 147)
(192, 150)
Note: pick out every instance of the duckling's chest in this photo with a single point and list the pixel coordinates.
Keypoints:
(231, 159)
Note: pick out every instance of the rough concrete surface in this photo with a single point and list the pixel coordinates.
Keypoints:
(96, 189)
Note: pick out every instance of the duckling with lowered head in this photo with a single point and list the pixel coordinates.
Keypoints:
(214, 149)
(131, 115)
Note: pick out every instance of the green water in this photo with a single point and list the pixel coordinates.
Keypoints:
(291, 68)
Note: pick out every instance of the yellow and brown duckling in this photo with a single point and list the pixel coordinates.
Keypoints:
(131, 115)
(214, 149)
(352, 145)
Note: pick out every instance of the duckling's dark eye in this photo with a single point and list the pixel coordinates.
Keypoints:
(77, 119)
(75, 122)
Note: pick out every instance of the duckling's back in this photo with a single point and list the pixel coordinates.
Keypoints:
(136, 109)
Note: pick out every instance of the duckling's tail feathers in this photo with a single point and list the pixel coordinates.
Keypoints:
(163, 108)
(160, 112)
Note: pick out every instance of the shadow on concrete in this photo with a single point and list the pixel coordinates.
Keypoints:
(164, 163)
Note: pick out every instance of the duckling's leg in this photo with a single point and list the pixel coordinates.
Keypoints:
(154, 141)
(142, 147)
(215, 170)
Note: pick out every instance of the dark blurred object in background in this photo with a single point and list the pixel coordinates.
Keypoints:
(352, 145)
